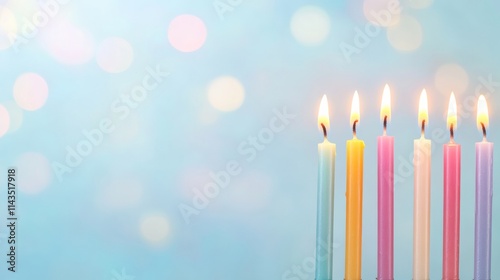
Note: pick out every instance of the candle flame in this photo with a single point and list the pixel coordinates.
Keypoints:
(323, 115)
(452, 112)
(355, 108)
(385, 108)
(423, 112)
(482, 113)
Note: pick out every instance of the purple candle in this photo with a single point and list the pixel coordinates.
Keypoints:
(484, 194)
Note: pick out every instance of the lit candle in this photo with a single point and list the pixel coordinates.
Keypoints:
(421, 197)
(484, 194)
(451, 210)
(354, 198)
(326, 176)
(385, 156)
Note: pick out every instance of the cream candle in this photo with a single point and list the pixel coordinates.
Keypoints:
(421, 195)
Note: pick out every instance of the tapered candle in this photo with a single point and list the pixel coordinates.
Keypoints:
(451, 210)
(484, 194)
(354, 198)
(385, 166)
(326, 176)
(421, 196)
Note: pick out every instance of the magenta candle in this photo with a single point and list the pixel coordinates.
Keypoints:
(451, 210)
(385, 166)
(484, 194)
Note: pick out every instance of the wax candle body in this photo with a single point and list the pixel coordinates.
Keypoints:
(354, 209)
(385, 258)
(421, 208)
(324, 223)
(484, 194)
(451, 210)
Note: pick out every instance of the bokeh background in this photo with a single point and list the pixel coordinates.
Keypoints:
(121, 206)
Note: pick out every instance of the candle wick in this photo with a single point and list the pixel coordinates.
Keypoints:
(324, 130)
(484, 131)
(385, 125)
(354, 128)
(423, 128)
(452, 133)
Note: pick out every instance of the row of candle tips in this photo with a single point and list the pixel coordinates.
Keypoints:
(423, 115)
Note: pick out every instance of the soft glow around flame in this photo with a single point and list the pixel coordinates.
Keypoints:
(482, 113)
(423, 112)
(323, 115)
(385, 108)
(452, 112)
(355, 108)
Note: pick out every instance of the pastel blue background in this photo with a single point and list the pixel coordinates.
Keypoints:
(262, 225)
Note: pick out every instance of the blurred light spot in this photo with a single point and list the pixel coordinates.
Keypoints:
(310, 25)
(67, 43)
(30, 91)
(114, 55)
(451, 77)
(34, 172)
(226, 93)
(15, 114)
(406, 35)
(119, 194)
(420, 4)
(8, 28)
(191, 178)
(187, 33)
(379, 12)
(155, 229)
(4, 120)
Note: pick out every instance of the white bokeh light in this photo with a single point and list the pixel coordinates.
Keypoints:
(30, 91)
(380, 12)
(8, 28)
(226, 93)
(114, 55)
(34, 173)
(4, 120)
(66, 42)
(406, 35)
(451, 77)
(310, 25)
(155, 229)
(187, 33)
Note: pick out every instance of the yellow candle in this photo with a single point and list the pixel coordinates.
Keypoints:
(354, 198)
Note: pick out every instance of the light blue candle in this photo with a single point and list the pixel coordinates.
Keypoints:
(324, 222)
(484, 194)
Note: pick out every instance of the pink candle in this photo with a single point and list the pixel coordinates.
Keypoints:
(451, 210)
(385, 164)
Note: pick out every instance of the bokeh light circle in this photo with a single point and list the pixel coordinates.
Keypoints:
(155, 229)
(187, 33)
(310, 25)
(8, 28)
(114, 55)
(406, 35)
(4, 120)
(380, 12)
(66, 42)
(34, 173)
(451, 77)
(30, 91)
(226, 93)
